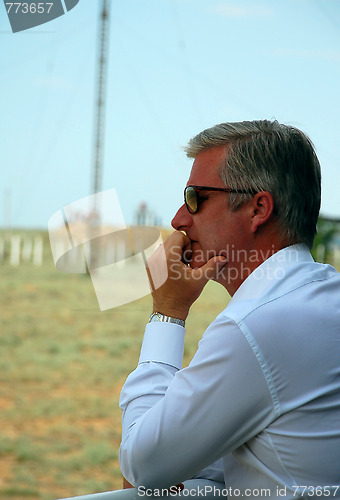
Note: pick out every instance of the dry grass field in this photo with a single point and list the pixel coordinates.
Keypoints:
(62, 365)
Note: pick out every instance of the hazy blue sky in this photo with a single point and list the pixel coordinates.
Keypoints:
(175, 68)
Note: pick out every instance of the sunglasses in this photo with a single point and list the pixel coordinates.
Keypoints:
(192, 198)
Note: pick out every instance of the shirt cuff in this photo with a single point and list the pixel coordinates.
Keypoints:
(163, 343)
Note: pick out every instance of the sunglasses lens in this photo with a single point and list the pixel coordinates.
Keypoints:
(191, 199)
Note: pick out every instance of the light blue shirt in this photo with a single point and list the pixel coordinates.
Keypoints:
(259, 405)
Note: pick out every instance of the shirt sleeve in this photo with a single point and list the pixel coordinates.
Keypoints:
(176, 421)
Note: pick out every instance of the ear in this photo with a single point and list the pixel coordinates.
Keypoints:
(262, 209)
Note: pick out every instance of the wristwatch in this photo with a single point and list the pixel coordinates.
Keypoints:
(156, 316)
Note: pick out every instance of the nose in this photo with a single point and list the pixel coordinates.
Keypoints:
(182, 220)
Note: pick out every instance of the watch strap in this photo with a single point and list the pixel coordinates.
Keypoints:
(163, 318)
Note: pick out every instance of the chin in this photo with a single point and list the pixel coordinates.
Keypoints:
(198, 260)
(199, 256)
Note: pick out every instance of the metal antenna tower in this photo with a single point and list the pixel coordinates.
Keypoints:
(101, 95)
(98, 153)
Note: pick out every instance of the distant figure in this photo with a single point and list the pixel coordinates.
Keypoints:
(141, 213)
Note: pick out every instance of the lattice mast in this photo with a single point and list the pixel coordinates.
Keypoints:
(101, 97)
(99, 131)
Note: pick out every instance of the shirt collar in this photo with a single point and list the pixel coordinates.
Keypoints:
(272, 271)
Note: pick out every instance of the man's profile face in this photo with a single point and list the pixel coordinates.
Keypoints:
(214, 229)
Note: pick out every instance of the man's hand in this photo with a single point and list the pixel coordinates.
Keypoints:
(184, 284)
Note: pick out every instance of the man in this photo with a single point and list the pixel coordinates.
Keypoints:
(258, 408)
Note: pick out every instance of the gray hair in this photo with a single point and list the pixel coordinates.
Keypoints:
(265, 155)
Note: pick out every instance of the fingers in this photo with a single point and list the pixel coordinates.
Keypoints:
(178, 244)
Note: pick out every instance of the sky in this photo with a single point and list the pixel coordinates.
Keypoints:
(175, 67)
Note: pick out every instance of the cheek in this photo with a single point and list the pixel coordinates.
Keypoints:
(214, 236)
